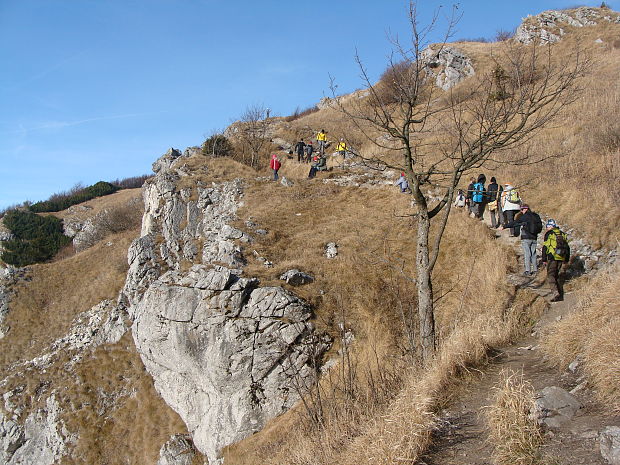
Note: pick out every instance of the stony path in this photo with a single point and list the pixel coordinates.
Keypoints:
(462, 437)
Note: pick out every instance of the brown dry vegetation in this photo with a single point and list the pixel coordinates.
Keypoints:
(99, 204)
(45, 305)
(515, 435)
(369, 288)
(395, 425)
(579, 187)
(590, 334)
(115, 409)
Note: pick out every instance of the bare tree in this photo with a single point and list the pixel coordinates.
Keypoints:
(253, 132)
(436, 137)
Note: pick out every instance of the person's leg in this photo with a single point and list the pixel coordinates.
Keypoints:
(533, 264)
(493, 219)
(510, 215)
(553, 272)
(275, 175)
(525, 245)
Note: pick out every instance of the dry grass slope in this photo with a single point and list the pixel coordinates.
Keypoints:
(590, 334)
(516, 436)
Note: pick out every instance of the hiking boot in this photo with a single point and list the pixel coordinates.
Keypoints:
(527, 273)
(557, 298)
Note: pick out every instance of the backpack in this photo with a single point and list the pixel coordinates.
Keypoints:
(513, 197)
(535, 226)
(478, 192)
(557, 245)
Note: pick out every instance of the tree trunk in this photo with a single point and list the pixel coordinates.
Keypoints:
(425, 286)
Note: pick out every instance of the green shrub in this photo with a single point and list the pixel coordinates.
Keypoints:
(61, 202)
(217, 146)
(35, 238)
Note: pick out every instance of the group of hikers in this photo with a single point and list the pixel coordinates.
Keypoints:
(508, 211)
(306, 153)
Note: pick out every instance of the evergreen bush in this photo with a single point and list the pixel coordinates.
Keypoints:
(35, 238)
(61, 202)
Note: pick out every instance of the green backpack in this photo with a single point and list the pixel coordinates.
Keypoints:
(557, 244)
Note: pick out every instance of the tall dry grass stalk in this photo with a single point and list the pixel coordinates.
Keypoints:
(515, 436)
(589, 334)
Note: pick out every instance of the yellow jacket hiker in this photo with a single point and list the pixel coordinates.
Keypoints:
(321, 139)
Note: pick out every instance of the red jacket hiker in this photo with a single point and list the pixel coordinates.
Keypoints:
(275, 164)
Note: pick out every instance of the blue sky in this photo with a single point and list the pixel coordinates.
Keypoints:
(98, 89)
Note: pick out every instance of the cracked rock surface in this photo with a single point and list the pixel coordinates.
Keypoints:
(223, 352)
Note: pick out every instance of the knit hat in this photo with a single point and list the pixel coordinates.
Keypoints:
(551, 224)
(525, 206)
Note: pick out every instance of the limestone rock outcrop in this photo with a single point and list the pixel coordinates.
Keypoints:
(39, 435)
(448, 64)
(224, 352)
(550, 26)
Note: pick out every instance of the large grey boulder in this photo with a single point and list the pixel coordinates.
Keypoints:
(295, 277)
(447, 64)
(223, 352)
(609, 440)
(555, 406)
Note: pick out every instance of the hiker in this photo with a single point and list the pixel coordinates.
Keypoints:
(492, 199)
(342, 147)
(479, 197)
(299, 149)
(309, 150)
(531, 226)
(555, 253)
(319, 164)
(460, 199)
(275, 164)
(470, 192)
(402, 183)
(321, 139)
(511, 204)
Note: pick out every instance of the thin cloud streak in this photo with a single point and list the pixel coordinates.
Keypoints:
(45, 72)
(66, 124)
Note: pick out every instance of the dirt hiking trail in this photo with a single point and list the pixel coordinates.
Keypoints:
(462, 434)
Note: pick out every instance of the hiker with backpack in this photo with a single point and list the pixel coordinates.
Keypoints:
(300, 149)
(492, 199)
(275, 164)
(479, 197)
(531, 226)
(402, 183)
(460, 200)
(511, 204)
(555, 253)
(309, 150)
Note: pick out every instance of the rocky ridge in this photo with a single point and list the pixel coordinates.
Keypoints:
(550, 26)
(225, 353)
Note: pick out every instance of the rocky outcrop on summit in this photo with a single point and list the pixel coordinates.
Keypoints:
(223, 352)
(448, 64)
(550, 26)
